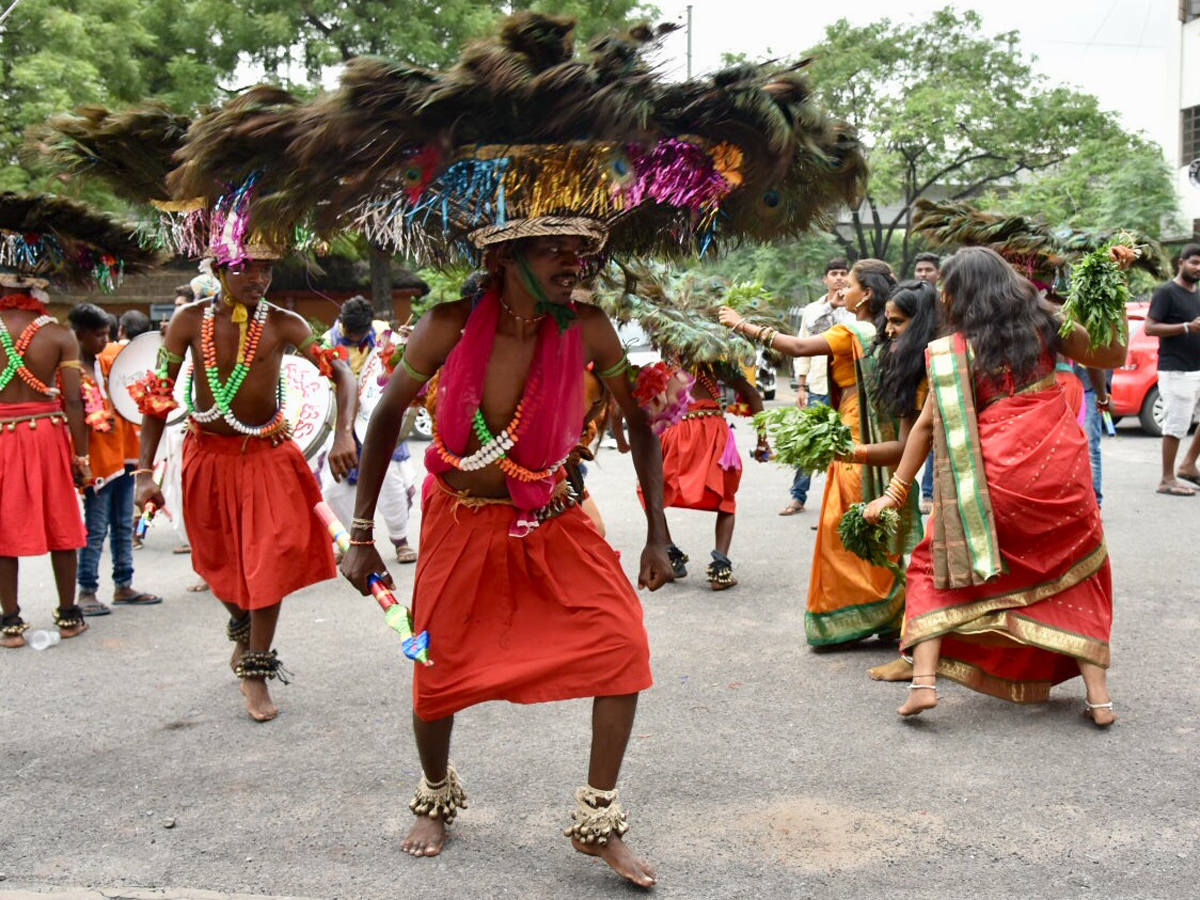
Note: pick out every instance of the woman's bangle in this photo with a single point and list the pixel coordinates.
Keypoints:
(84, 460)
(369, 542)
(858, 455)
(365, 524)
(137, 472)
(897, 489)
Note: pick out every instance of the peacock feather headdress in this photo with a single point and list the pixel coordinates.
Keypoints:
(439, 164)
(1029, 244)
(52, 240)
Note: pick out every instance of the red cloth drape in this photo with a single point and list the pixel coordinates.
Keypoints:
(550, 616)
(249, 512)
(39, 509)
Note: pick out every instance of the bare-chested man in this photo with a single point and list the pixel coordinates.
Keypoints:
(521, 597)
(248, 492)
(39, 511)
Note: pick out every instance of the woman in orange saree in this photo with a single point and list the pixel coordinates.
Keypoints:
(1010, 591)
(848, 598)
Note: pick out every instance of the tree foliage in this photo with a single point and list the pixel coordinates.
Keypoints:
(56, 55)
(947, 110)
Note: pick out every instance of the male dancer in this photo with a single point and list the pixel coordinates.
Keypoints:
(248, 493)
(521, 597)
(38, 472)
(358, 331)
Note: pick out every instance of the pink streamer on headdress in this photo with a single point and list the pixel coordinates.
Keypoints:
(555, 416)
(676, 173)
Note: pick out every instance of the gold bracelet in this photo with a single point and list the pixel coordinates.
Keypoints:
(370, 542)
(137, 472)
(84, 460)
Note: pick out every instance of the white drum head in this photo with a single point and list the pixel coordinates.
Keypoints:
(137, 358)
(308, 404)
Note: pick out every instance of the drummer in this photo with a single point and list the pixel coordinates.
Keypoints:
(248, 494)
(359, 332)
(108, 498)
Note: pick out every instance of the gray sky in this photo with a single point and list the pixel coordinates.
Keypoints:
(1115, 49)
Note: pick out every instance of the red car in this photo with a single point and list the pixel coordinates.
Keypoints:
(1135, 384)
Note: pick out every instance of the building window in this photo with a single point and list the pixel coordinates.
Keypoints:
(1189, 10)
(1190, 131)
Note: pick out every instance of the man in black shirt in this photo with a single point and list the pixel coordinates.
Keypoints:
(1174, 318)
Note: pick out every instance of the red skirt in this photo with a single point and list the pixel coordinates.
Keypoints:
(1019, 634)
(39, 508)
(692, 473)
(549, 616)
(249, 512)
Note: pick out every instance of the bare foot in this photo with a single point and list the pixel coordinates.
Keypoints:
(72, 630)
(921, 696)
(198, 588)
(621, 860)
(897, 670)
(258, 700)
(425, 838)
(238, 649)
(1100, 713)
(12, 640)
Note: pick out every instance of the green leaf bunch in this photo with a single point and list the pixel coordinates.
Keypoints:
(1097, 296)
(808, 438)
(868, 541)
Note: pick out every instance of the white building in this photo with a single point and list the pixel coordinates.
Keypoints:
(1183, 98)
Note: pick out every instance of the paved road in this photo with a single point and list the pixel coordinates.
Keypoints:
(757, 769)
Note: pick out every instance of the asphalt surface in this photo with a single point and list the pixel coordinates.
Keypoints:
(128, 767)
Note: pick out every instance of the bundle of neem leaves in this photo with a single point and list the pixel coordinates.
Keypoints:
(1098, 294)
(871, 542)
(806, 438)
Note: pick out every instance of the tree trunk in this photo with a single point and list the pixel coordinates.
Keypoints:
(381, 283)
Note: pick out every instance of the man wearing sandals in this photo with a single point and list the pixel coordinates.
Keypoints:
(506, 550)
(1174, 318)
(108, 497)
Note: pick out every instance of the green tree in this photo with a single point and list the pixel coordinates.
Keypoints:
(1106, 185)
(944, 109)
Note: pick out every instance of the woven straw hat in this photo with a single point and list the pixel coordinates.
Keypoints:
(591, 230)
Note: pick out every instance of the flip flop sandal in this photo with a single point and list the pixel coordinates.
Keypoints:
(139, 599)
(406, 554)
(1194, 479)
(95, 608)
(1172, 490)
(792, 509)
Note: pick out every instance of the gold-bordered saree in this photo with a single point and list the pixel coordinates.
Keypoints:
(848, 598)
(1013, 574)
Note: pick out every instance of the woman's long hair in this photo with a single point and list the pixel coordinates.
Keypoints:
(879, 277)
(901, 363)
(998, 311)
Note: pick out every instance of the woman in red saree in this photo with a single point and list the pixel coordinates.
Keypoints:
(1010, 591)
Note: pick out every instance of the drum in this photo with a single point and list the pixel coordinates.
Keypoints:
(308, 404)
(137, 358)
(369, 392)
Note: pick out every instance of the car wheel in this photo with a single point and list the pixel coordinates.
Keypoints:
(1152, 413)
(423, 425)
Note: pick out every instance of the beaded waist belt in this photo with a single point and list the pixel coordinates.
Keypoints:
(563, 498)
(56, 418)
(702, 413)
